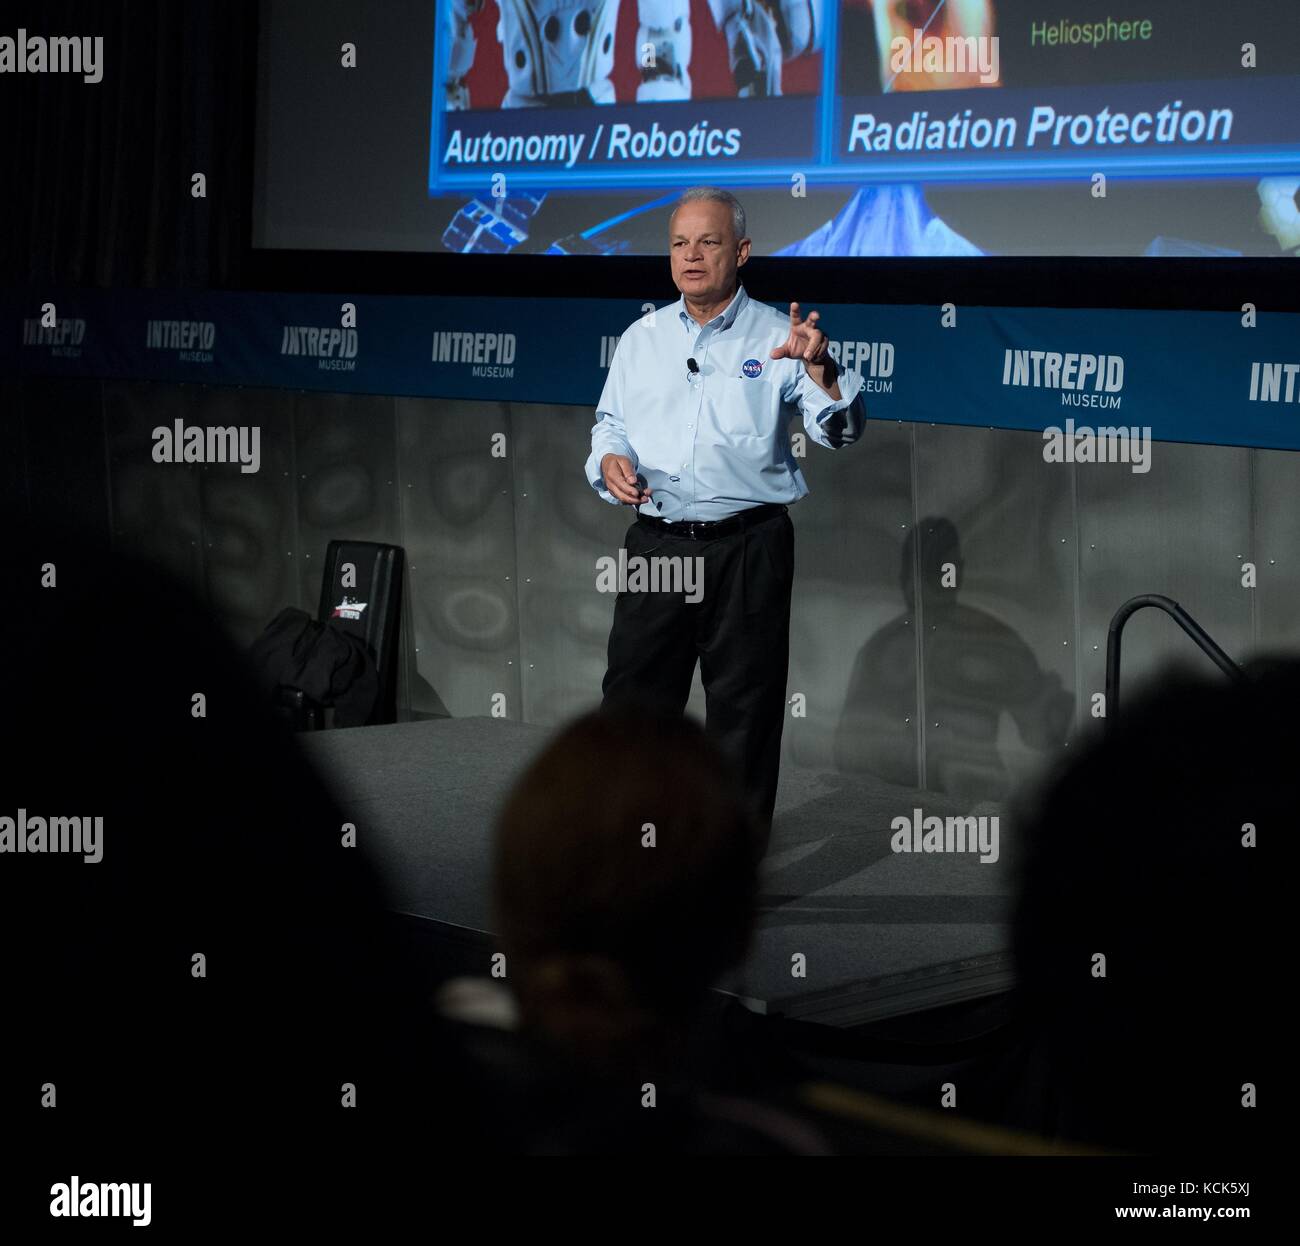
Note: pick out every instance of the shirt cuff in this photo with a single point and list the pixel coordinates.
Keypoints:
(850, 383)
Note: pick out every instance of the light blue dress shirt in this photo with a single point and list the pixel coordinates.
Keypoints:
(716, 442)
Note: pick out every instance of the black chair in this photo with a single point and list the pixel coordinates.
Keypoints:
(361, 592)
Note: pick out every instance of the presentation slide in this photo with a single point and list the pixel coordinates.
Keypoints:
(848, 127)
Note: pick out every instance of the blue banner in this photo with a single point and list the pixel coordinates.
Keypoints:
(1214, 377)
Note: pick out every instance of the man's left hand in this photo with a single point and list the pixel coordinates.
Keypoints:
(809, 343)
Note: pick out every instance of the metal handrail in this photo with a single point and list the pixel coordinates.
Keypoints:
(1179, 616)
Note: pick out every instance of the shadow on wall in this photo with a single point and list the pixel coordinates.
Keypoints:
(976, 668)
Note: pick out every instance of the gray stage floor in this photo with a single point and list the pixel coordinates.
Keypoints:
(850, 931)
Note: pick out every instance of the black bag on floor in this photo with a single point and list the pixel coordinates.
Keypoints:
(326, 665)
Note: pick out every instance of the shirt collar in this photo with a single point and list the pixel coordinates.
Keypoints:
(723, 320)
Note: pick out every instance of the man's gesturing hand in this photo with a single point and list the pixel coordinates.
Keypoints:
(806, 340)
(809, 343)
(620, 479)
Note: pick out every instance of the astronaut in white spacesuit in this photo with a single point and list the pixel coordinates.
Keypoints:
(761, 37)
(560, 53)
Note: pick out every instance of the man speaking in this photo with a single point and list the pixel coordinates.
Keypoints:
(692, 430)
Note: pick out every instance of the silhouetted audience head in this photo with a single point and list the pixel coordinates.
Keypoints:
(1138, 936)
(223, 963)
(624, 887)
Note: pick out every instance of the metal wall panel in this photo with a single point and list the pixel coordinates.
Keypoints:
(249, 518)
(346, 457)
(562, 529)
(1182, 529)
(458, 531)
(502, 555)
(998, 668)
(1276, 487)
(853, 654)
(156, 512)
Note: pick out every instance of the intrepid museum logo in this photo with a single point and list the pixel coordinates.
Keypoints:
(192, 340)
(333, 349)
(873, 360)
(1274, 382)
(1083, 380)
(485, 354)
(63, 337)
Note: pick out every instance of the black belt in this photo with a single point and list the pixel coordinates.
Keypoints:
(708, 529)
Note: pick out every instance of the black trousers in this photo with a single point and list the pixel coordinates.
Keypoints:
(739, 631)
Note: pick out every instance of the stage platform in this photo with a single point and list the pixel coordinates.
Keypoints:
(881, 934)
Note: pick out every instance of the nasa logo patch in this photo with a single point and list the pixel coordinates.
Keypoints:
(752, 368)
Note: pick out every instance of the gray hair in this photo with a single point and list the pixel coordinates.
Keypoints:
(715, 194)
